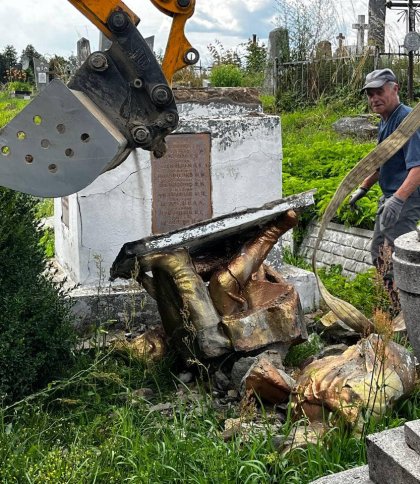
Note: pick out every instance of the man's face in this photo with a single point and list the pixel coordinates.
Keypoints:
(383, 100)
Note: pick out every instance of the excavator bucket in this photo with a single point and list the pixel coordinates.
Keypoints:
(58, 144)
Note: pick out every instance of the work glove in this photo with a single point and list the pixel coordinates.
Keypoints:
(390, 211)
(357, 195)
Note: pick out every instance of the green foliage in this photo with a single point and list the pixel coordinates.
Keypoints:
(35, 332)
(222, 56)
(9, 108)
(96, 427)
(255, 56)
(234, 69)
(299, 353)
(314, 156)
(365, 291)
(45, 208)
(268, 103)
(18, 86)
(47, 241)
(226, 75)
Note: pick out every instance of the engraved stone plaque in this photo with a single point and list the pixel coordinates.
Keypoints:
(181, 183)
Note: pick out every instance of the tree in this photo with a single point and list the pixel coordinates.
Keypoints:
(36, 336)
(255, 56)
(10, 56)
(307, 23)
(29, 52)
(221, 56)
(8, 59)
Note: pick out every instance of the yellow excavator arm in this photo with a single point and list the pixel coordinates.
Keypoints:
(118, 100)
(179, 52)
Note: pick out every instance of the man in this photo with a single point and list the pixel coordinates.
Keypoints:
(399, 178)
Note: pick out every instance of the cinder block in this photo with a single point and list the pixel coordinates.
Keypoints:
(391, 460)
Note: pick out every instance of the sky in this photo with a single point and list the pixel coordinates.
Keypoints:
(54, 26)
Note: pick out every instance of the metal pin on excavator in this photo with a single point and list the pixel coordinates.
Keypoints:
(118, 100)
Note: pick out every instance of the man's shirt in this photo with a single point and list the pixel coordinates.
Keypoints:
(393, 173)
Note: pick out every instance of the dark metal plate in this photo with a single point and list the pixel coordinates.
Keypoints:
(181, 183)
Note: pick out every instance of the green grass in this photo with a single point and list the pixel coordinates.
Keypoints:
(94, 428)
(9, 107)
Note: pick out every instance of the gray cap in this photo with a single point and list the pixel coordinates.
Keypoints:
(378, 78)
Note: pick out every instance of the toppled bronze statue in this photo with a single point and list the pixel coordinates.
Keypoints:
(246, 305)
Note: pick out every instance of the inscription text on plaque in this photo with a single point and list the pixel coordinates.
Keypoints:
(181, 183)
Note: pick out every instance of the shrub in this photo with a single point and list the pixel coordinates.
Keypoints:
(226, 75)
(35, 330)
(18, 86)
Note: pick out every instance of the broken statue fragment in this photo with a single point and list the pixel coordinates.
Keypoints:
(213, 292)
(371, 375)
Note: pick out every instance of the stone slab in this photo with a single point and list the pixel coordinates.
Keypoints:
(112, 307)
(412, 435)
(391, 461)
(357, 475)
(305, 284)
(197, 236)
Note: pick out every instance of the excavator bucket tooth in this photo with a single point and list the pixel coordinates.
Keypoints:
(58, 144)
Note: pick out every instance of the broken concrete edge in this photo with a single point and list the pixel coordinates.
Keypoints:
(206, 95)
(357, 475)
(390, 459)
(196, 235)
(412, 435)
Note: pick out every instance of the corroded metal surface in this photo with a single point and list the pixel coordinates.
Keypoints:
(181, 183)
(150, 346)
(371, 375)
(271, 384)
(280, 321)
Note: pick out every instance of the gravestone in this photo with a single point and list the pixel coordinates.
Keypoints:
(377, 17)
(360, 26)
(278, 53)
(341, 50)
(225, 156)
(83, 50)
(41, 71)
(323, 50)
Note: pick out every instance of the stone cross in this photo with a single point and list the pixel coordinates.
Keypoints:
(360, 27)
(340, 39)
(341, 50)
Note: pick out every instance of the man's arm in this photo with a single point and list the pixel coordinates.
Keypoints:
(410, 184)
(369, 181)
(391, 210)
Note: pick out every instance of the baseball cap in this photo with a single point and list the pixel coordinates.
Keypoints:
(378, 78)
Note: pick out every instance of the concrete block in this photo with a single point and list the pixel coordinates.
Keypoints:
(305, 284)
(357, 475)
(112, 306)
(391, 460)
(412, 435)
